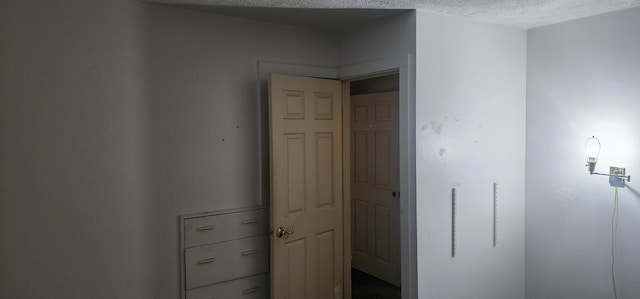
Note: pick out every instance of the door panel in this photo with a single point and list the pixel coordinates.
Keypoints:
(295, 280)
(375, 210)
(295, 174)
(360, 156)
(383, 242)
(325, 244)
(324, 165)
(306, 187)
(360, 231)
(382, 151)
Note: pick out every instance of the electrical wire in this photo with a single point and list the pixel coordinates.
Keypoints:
(614, 237)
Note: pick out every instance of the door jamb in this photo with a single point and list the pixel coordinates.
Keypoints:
(346, 188)
(405, 67)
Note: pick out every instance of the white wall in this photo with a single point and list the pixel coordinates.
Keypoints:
(470, 126)
(583, 79)
(113, 115)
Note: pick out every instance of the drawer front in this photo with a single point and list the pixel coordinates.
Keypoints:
(224, 227)
(254, 287)
(224, 261)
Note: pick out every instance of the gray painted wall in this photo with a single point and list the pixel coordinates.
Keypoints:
(392, 37)
(470, 126)
(583, 79)
(73, 193)
(116, 116)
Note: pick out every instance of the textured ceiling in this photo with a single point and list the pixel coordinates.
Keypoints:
(519, 13)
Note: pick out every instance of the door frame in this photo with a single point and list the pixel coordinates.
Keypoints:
(405, 67)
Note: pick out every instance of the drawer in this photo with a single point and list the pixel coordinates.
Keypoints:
(224, 261)
(254, 287)
(224, 227)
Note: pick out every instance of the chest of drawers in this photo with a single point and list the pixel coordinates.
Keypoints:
(225, 254)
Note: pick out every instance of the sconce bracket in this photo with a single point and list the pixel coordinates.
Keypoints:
(617, 176)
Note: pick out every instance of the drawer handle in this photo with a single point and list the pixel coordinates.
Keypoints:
(206, 227)
(206, 261)
(249, 221)
(249, 252)
(251, 290)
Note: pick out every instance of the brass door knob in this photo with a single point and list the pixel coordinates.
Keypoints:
(281, 232)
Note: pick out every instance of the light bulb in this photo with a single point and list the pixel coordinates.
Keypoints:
(592, 148)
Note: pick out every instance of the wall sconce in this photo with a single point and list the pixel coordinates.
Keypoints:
(616, 175)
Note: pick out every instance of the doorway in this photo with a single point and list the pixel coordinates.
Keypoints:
(374, 185)
(356, 74)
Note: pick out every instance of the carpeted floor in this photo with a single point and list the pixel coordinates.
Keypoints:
(364, 286)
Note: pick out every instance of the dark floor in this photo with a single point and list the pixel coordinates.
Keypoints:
(364, 286)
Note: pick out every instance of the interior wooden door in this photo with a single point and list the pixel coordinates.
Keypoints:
(306, 187)
(375, 206)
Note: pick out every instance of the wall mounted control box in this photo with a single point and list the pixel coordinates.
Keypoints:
(617, 176)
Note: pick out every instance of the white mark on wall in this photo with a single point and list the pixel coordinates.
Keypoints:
(437, 126)
(565, 193)
(424, 141)
(434, 139)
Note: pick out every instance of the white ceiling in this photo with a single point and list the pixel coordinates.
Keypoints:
(334, 14)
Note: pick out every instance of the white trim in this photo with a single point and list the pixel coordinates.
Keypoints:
(372, 68)
(346, 189)
(408, 238)
(267, 67)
